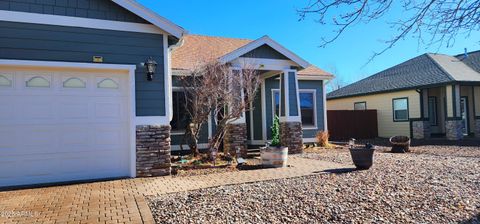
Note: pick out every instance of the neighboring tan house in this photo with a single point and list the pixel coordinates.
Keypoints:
(432, 95)
(78, 100)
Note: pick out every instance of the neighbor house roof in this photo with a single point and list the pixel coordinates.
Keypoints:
(197, 50)
(472, 59)
(424, 70)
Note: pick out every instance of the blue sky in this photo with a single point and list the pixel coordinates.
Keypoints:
(278, 18)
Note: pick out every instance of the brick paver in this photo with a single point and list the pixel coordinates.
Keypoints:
(123, 201)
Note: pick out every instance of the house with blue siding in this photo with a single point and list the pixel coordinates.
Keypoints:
(89, 90)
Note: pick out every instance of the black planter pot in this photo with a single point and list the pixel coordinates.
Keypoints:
(362, 157)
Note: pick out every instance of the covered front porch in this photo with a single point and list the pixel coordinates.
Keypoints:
(451, 111)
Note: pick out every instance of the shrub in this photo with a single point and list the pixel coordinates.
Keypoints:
(275, 132)
(322, 138)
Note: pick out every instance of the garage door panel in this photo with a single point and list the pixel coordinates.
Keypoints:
(61, 133)
(73, 110)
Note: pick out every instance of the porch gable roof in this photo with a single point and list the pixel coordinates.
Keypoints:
(198, 49)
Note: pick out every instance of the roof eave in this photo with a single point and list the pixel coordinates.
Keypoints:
(259, 42)
(152, 17)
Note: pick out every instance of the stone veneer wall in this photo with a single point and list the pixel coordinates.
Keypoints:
(421, 129)
(291, 136)
(453, 129)
(236, 136)
(477, 128)
(153, 151)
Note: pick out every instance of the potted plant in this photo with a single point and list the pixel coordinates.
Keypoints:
(362, 156)
(273, 154)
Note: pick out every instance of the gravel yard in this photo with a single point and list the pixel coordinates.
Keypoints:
(434, 184)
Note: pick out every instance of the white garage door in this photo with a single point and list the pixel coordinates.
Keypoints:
(63, 126)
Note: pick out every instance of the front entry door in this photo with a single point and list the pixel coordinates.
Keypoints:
(464, 113)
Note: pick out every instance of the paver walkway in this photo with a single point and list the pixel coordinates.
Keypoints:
(123, 201)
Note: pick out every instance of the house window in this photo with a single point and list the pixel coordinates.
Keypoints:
(74, 83)
(39, 82)
(360, 106)
(180, 116)
(400, 109)
(432, 110)
(307, 106)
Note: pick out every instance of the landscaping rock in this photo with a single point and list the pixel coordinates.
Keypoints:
(435, 184)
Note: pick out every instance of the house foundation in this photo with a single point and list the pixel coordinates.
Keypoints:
(153, 150)
(236, 138)
(291, 136)
(421, 129)
(453, 129)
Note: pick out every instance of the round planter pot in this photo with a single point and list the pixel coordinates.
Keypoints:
(274, 156)
(400, 144)
(362, 158)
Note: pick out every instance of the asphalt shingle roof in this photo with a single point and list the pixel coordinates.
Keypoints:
(472, 60)
(198, 49)
(426, 69)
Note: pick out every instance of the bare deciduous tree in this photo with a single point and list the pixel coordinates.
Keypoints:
(213, 89)
(443, 20)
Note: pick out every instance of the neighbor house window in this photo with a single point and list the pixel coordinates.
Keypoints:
(400, 109)
(180, 116)
(307, 106)
(432, 110)
(360, 106)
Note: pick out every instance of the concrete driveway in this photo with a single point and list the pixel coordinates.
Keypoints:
(123, 201)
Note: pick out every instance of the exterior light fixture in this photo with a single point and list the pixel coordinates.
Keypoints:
(151, 66)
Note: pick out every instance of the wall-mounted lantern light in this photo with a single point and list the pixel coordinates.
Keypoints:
(150, 65)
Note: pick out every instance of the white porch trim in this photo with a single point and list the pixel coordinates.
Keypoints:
(259, 42)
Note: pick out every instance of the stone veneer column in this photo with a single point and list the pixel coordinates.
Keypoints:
(291, 136)
(453, 129)
(153, 150)
(236, 137)
(421, 129)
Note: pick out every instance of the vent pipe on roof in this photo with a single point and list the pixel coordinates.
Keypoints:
(466, 53)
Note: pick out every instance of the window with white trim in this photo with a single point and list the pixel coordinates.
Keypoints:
(400, 109)
(360, 106)
(308, 108)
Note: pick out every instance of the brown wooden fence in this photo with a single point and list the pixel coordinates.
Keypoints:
(358, 124)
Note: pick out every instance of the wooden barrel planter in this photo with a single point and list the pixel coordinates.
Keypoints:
(400, 144)
(362, 157)
(274, 156)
